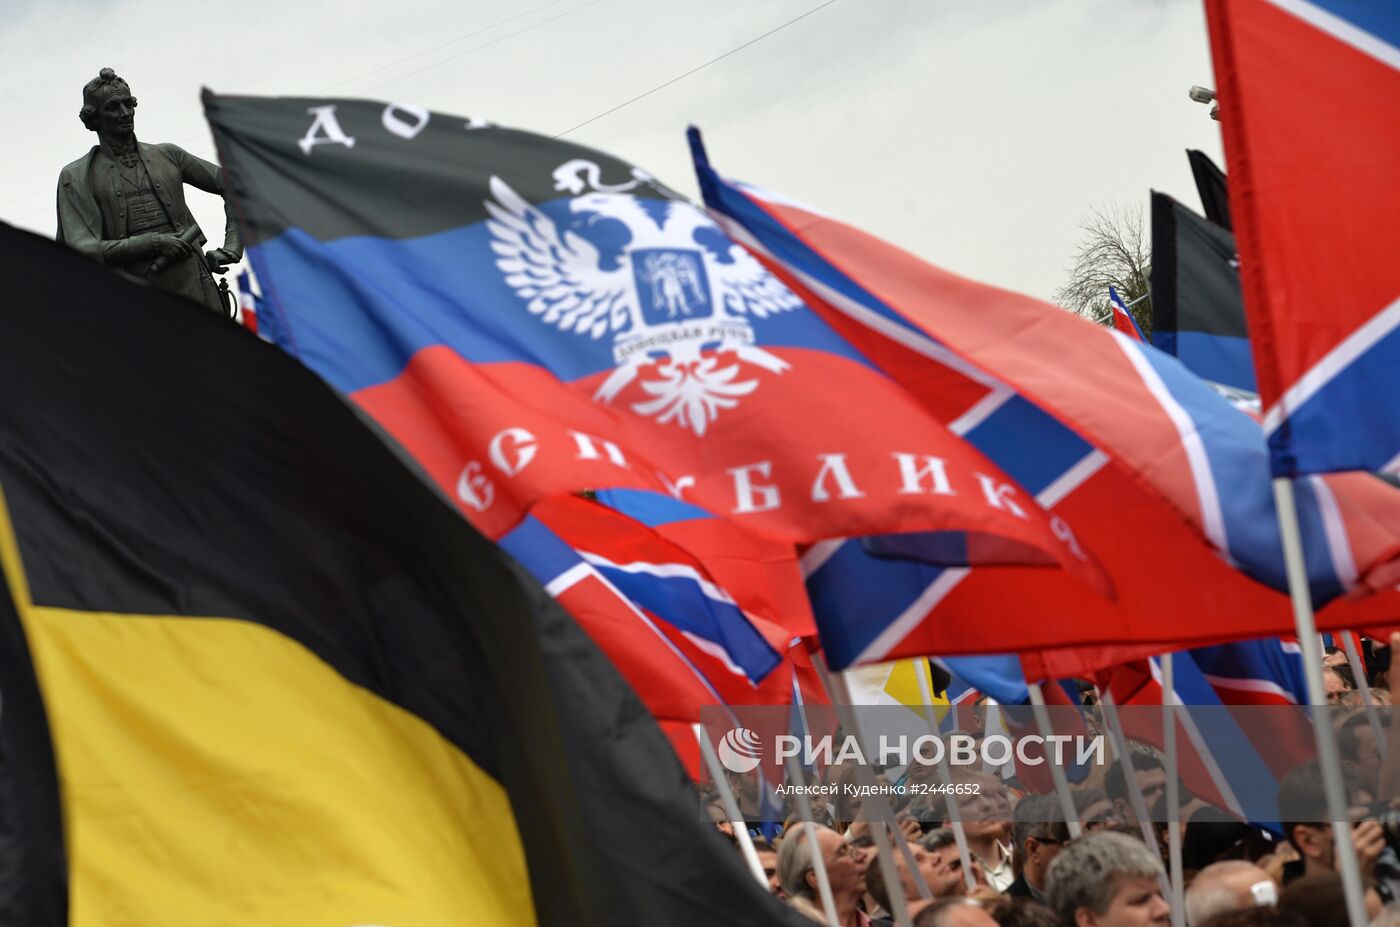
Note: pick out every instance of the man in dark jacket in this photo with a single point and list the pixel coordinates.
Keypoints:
(123, 203)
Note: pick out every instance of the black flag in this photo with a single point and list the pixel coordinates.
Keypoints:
(255, 670)
(1210, 183)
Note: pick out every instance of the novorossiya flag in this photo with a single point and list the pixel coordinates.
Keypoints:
(1170, 479)
(1313, 153)
(255, 670)
(528, 317)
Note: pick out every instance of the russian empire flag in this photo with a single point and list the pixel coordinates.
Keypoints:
(528, 317)
(256, 672)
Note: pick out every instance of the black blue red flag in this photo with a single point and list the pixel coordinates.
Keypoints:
(1313, 154)
(529, 317)
(1197, 312)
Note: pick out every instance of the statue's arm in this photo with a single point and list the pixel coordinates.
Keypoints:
(78, 214)
(209, 177)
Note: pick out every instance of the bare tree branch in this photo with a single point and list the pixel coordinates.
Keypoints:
(1112, 251)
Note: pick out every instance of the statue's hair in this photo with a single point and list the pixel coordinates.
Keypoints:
(94, 92)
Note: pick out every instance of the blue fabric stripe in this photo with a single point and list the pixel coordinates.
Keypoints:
(1352, 423)
(1381, 18)
(650, 508)
(724, 197)
(1255, 660)
(1029, 444)
(679, 602)
(366, 305)
(1239, 465)
(682, 603)
(997, 676)
(1218, 358)
(1249, 777)
(540, 550)
(855, 596)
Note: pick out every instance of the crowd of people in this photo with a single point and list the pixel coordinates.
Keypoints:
(1020, 866)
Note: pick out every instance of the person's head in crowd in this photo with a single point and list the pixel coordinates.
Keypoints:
(945, 863)
(1302, 808)
(1038, 832)
(1107, 880)
(1337, 681)
(847, 807)
(954, 912)
(1389, 916)
(1255, 917)
(986, 812)
(924, 861)
(1213, 835)
(1357, 743)
(1021, 912)
(720, 819)
(1095, 808)
(1228, 886)
(1151, 779)
(845, 868)
(1318, 899)
(745, 788)
(768, 859)
(1164, 819)
(1380, 696)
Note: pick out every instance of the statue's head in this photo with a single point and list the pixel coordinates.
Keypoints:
(101, 90)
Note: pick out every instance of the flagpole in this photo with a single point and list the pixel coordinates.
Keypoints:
(840, 697)
(1057, 773)
(1119, 739)
(1358, 670)
(1328, 756)
(1173, 791)
(886, 810)
(950, 802)
(814, 847)
(731, 807)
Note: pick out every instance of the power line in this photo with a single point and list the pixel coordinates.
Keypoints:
(737, 48)
(385, 67)
(508, 35)
(419, 54)
(640, 96)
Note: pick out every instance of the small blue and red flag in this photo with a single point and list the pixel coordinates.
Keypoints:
(1123, 320)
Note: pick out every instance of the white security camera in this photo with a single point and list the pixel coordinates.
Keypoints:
(1201, 94)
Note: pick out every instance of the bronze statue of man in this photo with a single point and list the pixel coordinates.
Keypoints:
(123, 203)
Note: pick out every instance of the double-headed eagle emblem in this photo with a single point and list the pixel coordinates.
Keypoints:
(677, 303)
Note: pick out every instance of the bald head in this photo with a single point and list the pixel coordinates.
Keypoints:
(1227, 886)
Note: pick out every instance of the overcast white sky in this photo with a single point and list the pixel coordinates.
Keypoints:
(975, 133)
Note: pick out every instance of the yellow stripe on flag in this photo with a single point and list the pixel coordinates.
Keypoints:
(213, 771)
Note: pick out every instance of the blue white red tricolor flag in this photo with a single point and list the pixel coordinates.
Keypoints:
(1313, 154)
(247, 303)
(528, 317)
(675, 670)
(1170, 480)
(1123, 320)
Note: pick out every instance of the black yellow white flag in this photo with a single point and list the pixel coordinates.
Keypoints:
(256, 672)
